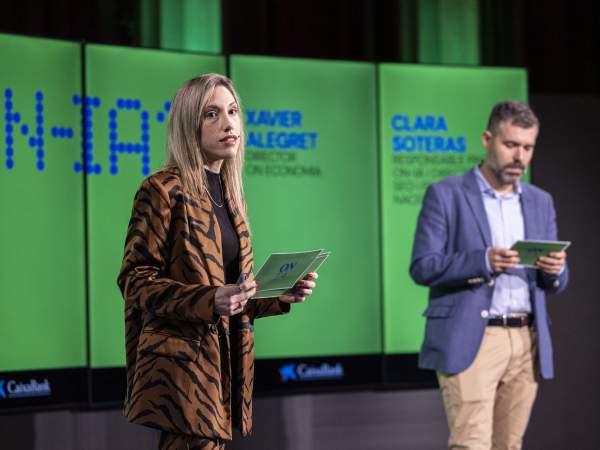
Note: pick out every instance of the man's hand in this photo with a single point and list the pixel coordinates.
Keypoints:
(502, 259)
(232, 298)
(553, 263)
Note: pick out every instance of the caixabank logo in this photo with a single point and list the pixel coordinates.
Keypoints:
(294, 372)
(10, 389)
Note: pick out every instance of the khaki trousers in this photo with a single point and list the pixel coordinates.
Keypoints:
(488, 405)
(172, 441)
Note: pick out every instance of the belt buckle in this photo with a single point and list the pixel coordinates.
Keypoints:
(504, 320)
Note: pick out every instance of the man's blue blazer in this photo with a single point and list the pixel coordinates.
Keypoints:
(449, 254)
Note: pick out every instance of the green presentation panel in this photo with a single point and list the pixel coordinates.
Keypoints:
(311, 183)
(129, 94)
(431, 122)
(42, 294)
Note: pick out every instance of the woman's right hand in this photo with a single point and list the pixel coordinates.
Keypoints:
(232, 298)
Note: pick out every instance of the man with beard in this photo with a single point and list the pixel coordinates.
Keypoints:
(486, 331)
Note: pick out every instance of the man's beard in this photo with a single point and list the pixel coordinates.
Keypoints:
(503, 177)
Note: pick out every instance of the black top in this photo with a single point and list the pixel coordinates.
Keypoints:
(229, 238)
(231, 262)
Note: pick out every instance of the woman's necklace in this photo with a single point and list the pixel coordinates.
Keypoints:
(211, 197)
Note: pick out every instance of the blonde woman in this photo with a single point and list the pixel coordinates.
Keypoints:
(187, 279)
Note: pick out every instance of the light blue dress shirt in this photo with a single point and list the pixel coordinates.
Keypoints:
(505, 216)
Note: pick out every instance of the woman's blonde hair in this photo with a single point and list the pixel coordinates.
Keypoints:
(184, 137)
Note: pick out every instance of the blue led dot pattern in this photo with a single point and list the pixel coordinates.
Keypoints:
(161, 116)
(140, 148)
(87, 157)
(35, 141)
(9, 162)
(39, 108)
(62, 132)
(37, 131)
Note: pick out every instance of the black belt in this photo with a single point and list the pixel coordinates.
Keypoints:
(511, 321)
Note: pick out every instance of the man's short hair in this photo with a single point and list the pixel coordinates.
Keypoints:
(513, 112)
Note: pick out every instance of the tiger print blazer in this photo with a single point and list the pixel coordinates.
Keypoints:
(178, 362)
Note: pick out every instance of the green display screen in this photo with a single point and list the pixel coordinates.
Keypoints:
(130, 92)
(431, 122)
(311, 183)
(42, 292)
(338, 156)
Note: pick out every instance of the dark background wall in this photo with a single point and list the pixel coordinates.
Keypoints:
(566, 415)
(559, 43)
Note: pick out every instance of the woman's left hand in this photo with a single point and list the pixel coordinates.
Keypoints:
(301, 290)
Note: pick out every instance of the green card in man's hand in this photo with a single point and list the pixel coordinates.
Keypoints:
(530, 250)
